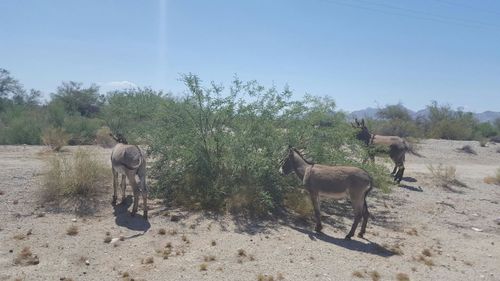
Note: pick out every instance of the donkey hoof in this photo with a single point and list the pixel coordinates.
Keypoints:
(360, 235)
(145, 215)
(132, 214)
(348, 237)
(113, 202)
(318, 228)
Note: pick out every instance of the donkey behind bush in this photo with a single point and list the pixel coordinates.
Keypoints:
(129, 161)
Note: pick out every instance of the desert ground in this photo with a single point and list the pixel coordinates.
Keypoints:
(419, 231)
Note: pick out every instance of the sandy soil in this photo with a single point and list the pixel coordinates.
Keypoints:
(455, 227)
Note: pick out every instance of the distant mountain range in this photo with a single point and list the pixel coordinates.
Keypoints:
(370, 112)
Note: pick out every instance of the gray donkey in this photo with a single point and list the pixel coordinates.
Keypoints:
(128, 160)
(333, 181)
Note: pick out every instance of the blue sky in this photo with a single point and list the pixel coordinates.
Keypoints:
(362, 53)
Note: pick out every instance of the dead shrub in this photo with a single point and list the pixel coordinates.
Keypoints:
(358, 274)
(427, 252)
(162, 231)
(26, 257)
(425, 260)
(103, 138)
(77, 179)
(203, 267)
(55, 138)
(467, 149)
(493, 180)
(402, 277)
(72, 230)
(262, 277)
(299, 202)
(19, 236)
(483, 142)
(445, 175)
(209, 258)
(375, 275)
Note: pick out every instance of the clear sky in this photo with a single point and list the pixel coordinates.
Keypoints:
(362, 53)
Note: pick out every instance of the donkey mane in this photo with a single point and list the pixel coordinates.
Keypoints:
(302, 156)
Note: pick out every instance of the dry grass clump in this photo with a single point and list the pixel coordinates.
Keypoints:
(80, 177)
(427, 252)
(413, 232)
(299, 202)
(425, 260)
(213, 243)
(148, 260)
(242, 253)
(375, 275)
(166, 253)
(265, 277)
(493, 180)
(467, 149)
(103, 138)
(19, 236)
(185, 239)
(72, 230)
(172, 232)
(203, 267)
(162, 231)
(209, 258)
(107, 238)
(358, 274)
(445, 175)
(395, 249)
(402, 277)
(26, 257)
(55, 138)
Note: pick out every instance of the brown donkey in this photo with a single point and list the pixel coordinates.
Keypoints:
(396, 147)
(333, 181)
(129, 161)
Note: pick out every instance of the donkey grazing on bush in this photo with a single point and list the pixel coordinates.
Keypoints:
(333, 181)
(128, 161)
(395, 146)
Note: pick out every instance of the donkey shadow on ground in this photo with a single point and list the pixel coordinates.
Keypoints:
(124, 219)
(416, 188)
(353, 245)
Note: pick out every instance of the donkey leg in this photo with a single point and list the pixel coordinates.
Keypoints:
(124, 187)
(317, 214)
(144, 196)
(357, 218)
(358, 207)
(366, 215)
(399, 175)
(115, 179)
(394, 170)
(135, 189)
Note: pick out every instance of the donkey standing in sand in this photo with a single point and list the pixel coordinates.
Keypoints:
(395, 146)
(333, 181)
(129, 161)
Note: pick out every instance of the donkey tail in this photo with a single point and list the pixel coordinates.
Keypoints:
(409, 148)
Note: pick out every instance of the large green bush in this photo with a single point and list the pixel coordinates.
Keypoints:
(132, 112)
(217, 150)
